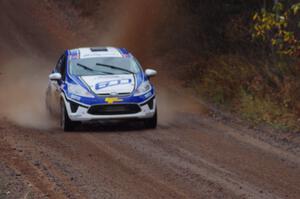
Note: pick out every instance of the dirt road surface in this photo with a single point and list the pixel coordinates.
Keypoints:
(193, 157)
(189, 155)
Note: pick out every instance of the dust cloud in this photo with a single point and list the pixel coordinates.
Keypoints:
(24, 41)
(22, 86)
(132, 24)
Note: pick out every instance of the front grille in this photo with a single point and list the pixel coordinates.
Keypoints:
(116, 109)
(118, 94)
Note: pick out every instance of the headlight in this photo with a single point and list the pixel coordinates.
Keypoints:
(143, 88)
(79, 91)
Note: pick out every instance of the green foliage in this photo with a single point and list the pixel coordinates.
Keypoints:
(223, 79)
(265, 110)
(295, 8)
(274, 28)
(234, 83)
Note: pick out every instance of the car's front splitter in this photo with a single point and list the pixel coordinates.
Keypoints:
(82, 112)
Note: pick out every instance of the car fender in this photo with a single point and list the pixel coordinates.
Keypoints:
(65, 101)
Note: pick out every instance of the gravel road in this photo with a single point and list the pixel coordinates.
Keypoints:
(189, 155)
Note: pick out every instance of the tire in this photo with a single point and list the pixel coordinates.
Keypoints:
(65, 123)
(151, 123)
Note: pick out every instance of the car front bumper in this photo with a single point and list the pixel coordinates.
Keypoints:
(83, 114)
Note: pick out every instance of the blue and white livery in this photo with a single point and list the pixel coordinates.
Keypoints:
(102, 83)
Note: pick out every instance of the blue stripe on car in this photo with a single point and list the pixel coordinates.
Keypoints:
(72, 79)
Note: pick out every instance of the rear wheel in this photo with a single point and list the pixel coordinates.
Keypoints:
(151, 123)
(65, 123)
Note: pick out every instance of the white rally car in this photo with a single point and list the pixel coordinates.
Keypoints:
(102, 83)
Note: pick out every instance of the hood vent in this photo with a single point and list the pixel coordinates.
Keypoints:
(99, 49)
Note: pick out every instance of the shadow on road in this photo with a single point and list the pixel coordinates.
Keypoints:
(109, 127)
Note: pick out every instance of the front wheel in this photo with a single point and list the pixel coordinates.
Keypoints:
(65, 123)
(151, 123)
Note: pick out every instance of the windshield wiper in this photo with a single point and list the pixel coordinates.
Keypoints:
(85, 67)
(115, 67)
(90, 69)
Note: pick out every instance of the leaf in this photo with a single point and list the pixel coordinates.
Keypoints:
(255, 16)
(295, 8)
(278, 7)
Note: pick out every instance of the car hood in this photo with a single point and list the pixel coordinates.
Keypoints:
(110, 84)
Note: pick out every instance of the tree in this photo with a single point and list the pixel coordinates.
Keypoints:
(276, 27)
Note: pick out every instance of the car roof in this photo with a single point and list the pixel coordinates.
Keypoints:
(95, 52)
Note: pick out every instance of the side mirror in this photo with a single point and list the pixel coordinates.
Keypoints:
(150, 72)
(55, 76)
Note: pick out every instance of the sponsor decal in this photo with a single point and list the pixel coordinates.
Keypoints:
(112, 100)
(106, 84)
(124, 52)
(74, 54)
(148, 95)
(75, 97)
(99, 54)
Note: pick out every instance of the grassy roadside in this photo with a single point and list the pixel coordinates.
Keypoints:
(257, 92)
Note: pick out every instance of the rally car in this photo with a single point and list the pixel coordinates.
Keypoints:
(100, 84)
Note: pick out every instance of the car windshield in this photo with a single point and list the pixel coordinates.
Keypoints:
(104, 66)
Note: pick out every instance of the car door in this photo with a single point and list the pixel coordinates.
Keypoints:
(56, 86)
